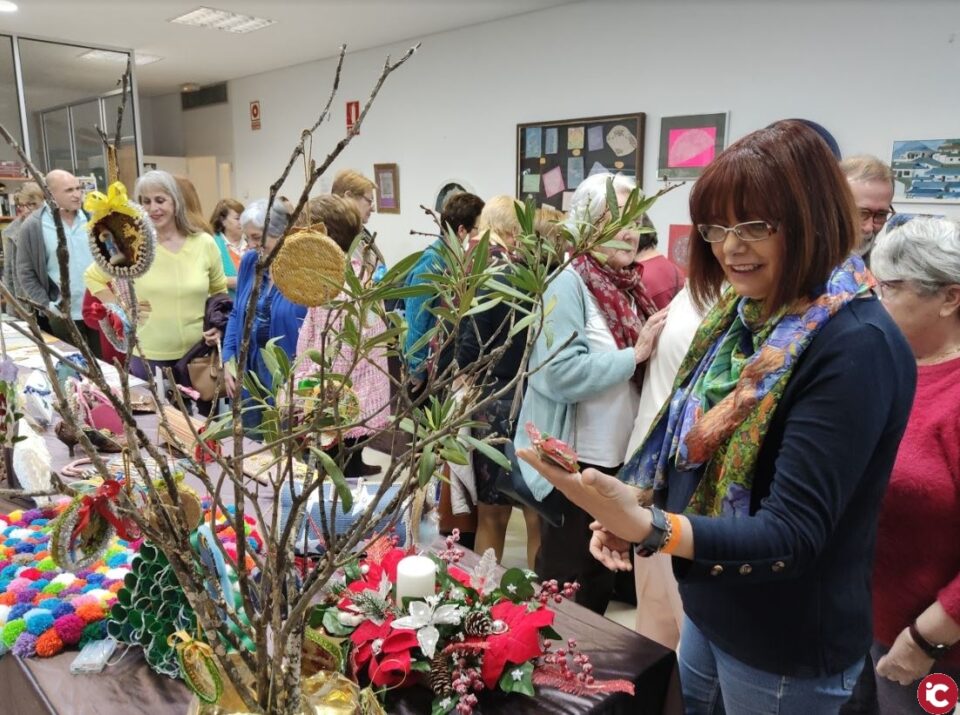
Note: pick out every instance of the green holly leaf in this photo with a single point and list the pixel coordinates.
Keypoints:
(516, 585)
(518, 679)
(444, 705)
(332, 624)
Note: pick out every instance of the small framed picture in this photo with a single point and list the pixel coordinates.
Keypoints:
(387, 178)
(689, 143)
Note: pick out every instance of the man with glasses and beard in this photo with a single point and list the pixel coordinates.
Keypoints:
(871, 182)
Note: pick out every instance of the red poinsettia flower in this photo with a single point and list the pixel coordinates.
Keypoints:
(460, 575)
(385, 651)
(370, 581)
(518, 644)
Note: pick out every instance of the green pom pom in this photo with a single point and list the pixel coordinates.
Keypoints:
(12, 631)
(93, 632)
(47, 564)
(54, 588)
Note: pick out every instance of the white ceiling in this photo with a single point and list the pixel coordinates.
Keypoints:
(305, 30)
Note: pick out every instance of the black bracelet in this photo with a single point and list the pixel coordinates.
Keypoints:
(660, 531)
(932, 650)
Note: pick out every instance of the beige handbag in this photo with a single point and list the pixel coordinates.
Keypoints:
(206, 374)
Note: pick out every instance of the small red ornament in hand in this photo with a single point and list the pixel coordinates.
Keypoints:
(552, 450)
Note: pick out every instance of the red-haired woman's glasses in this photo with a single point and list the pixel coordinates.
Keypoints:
(746, 231)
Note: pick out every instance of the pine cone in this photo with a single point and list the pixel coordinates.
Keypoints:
(440, 681)
(478, 623)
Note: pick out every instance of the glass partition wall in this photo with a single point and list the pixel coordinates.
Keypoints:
(53, 96)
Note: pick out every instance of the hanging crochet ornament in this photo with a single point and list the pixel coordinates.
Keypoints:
(197, 665)
(334, 400)
(122, 237)
(83, 532)
(310, 267)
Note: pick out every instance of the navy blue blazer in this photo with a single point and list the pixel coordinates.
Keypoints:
(787, 589)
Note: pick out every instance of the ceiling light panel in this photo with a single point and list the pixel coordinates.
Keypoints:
(118, 57)
(223, 20)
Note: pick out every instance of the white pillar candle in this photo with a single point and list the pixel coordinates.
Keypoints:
(416, 578)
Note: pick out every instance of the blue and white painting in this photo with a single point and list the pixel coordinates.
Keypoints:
(928, 168)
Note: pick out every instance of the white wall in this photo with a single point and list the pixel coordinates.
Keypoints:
(872, 72)
(161, 124)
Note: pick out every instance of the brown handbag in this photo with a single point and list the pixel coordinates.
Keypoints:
(206, 374)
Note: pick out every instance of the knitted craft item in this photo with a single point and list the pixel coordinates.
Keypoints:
(310, 267)
(44, 610)
(122, 237)
(151, 607)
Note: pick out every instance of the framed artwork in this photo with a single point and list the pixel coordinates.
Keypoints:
(689, 143)
(446, 191)
(387, 179)
(927, 170)
(678, 244)
(554, 157)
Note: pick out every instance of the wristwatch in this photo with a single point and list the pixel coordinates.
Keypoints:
(659, 535)
(932, 650)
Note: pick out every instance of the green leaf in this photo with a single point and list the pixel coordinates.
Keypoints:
(518, 679)
(522, 324)
(488, 451)
(516, 585)
(456, 457)
(421, 666)
(483, 307)
(316, 356)
(220, 428)
(332, 625)
(444, 704)
(550, 634)
(352, 571)
(428, 465)
(612, 206)
(331, 469)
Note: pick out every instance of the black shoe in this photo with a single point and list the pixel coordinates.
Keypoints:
(368, 470)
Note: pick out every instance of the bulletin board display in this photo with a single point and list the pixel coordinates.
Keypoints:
(554, 157)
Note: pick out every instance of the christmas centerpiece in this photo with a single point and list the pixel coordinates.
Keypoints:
(400, 619)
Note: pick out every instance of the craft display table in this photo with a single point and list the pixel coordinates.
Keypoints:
(37, 686)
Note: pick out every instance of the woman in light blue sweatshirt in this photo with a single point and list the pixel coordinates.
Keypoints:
(586, 393)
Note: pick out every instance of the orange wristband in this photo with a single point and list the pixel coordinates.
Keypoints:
(676, 528)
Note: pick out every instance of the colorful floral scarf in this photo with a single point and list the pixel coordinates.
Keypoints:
(612, 289)
(724, 399)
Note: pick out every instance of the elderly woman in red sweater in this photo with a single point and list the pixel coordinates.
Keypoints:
(916, 578)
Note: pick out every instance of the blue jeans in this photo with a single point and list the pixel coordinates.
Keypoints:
(714, 682)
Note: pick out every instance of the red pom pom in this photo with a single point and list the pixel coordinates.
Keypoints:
(69, 628)
(91, 612)
(32, 574)
(8, 598)
(49, 644)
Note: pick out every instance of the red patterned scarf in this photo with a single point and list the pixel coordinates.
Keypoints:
(613, 288)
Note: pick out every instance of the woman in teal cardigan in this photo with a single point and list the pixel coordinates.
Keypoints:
(228, 234)
(586, 393)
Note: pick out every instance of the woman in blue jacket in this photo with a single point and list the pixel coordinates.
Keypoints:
(763, 474)
(275, 317)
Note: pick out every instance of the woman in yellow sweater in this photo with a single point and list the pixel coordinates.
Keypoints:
(174, 291)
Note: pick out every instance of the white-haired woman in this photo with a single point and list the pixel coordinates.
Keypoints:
(173, 293)
(916, 578)
(586, 394)
(275, 316)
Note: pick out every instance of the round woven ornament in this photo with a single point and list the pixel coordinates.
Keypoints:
(90, 544)
(310, 267)
(122, 238)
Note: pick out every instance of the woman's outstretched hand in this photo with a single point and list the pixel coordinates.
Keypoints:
(612, 503)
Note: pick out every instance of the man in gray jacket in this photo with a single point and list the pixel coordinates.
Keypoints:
(38, 269)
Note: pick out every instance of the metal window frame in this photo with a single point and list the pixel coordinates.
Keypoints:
(134, 104)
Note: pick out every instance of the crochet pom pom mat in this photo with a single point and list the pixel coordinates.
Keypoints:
(44, 610)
